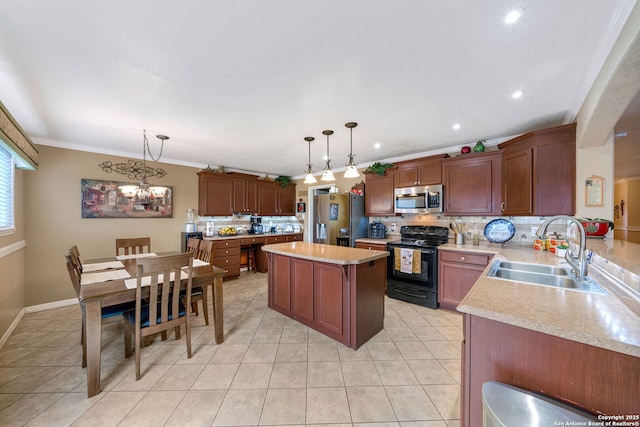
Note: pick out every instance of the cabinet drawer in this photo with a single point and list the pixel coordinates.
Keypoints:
(226, 252)
(230, 270)
(465, 258)
(225, 261)
(371, 246)
(252, 240)
(275, 239)
(294, 237)
(229, 243)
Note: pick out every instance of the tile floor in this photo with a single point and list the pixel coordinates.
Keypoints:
(270, 370)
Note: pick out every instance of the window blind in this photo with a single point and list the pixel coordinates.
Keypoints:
(6, 190)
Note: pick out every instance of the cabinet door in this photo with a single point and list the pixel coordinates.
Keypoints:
(302, 290)
(251, 196)
(430, 173)
(281, 283)
(330, 300)
(240, 195)
(455, 280)
(268, 204)
(287, 200)
(379, 198)
(472, 184)
(215, 195)
(406, 176)
(554, 181)
(517, 190)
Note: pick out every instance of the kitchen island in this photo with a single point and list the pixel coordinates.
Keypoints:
(336, 290)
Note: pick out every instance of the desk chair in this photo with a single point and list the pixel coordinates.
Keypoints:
(132, 246)
(165, 309)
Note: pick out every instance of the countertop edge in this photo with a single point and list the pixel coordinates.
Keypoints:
(340, 255)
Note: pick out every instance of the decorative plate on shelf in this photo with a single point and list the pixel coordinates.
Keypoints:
(499, 231)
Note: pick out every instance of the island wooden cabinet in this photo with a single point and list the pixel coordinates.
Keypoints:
(538, 170)
(427, 171)
(215, 194)
(274, 200)
(457, 272)
(379, 197)
(472, 184)
(342, 301)
(595, 379)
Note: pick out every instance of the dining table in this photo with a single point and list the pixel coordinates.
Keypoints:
(108, 291)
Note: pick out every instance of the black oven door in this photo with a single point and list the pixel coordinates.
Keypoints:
(420, 273)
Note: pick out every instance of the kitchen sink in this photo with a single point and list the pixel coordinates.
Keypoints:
(541, 274)
(535, 268)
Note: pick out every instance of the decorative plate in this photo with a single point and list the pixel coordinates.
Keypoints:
(499, 231)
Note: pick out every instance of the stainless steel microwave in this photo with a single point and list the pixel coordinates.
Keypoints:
(418, 200)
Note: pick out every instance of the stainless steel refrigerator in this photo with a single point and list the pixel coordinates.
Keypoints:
(339, 217)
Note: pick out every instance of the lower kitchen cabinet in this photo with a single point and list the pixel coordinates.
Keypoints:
(457, 272)
(226, 255)
(594, 379)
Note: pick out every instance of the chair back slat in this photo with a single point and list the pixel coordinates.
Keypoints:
(205, 252)
(74, 274)
(193, 245)
(135, 245)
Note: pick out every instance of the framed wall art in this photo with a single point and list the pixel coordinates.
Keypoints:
(114, 199)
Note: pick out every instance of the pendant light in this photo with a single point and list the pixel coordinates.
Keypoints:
(351, 171)
(327, 175)
(309, 179)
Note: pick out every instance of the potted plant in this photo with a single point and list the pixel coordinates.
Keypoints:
(283, 180)
(379, 168)
(596, 227)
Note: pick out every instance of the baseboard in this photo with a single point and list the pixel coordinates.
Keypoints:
(50, 305)
(12, 327)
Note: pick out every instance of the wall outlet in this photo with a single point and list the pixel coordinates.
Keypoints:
(393, 227)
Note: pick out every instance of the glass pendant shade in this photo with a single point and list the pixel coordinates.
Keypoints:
(351, 172)
(129, 191)
(158, 191)
(310, 179)
(327, 175)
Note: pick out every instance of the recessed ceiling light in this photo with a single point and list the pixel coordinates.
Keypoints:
(517, 94)
(513, 16)
(456, 126)
(376, 145)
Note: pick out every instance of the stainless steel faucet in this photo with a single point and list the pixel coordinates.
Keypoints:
(579, 263)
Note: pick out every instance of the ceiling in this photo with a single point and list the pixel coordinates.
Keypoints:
(240, 84)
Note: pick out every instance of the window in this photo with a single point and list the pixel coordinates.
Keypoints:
(6, 191)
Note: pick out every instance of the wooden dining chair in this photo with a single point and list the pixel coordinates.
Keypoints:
(135, 245)
(165, 309)
(200, 293)
(192, 246)
(109, 311)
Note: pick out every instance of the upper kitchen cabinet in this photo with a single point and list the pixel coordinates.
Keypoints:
(378, 196)
(215, 194)
(538, 172)
(245, 194)
(275, 200)
(426, 171)
(472, 184)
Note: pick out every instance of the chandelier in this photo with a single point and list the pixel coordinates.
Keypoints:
(143, 191)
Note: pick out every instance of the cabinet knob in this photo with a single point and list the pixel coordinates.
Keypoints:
(462, 258)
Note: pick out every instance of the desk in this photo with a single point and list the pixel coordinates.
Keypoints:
(103, 294)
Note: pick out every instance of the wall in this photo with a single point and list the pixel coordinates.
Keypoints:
(53, 219)
(12, 256)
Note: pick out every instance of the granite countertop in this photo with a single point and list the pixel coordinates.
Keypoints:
(609, 321)
(343, 255)
(390, 238)
(250, 236)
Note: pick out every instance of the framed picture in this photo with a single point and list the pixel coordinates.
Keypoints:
(302, 207)
(113, 199)
(333, 211)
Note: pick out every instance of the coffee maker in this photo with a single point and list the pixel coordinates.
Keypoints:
(256, 225)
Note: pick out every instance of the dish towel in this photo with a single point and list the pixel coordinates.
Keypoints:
(404, 265)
